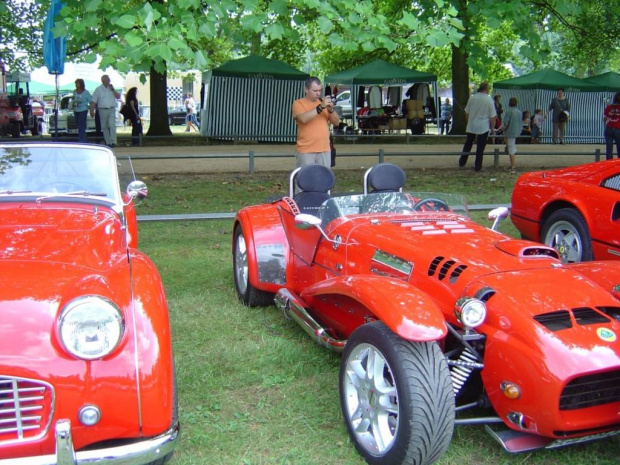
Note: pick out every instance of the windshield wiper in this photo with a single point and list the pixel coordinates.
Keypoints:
(10, 192)
(63, 194)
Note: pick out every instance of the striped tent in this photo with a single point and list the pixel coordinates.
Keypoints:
(537, 90)
(250, 99)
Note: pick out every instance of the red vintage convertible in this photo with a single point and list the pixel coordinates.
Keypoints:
(575, 210)
(86, 366)
(440, 321)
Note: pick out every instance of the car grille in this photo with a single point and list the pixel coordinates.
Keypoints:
(25, 409)
(71, 122)
(591, 390)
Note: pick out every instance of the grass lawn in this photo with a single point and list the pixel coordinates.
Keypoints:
(254, 389)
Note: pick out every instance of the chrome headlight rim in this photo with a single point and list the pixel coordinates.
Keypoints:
(93, 311)
(470, 312)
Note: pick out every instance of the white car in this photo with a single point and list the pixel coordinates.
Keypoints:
(67, 123)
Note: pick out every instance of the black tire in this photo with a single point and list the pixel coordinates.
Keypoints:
(170, 121)
(35, 128)
(412, 422)
(247, 293)
(567, 232)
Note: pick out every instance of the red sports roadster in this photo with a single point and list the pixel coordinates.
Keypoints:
(86, 366)
(438, 318)
(575, 210)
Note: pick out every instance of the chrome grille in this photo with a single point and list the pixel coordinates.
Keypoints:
(25, 409)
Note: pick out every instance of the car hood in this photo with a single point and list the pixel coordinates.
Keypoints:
(52, 255)
(575, 174)
(80, 235)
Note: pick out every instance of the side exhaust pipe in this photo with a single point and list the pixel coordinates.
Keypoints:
(294, 310)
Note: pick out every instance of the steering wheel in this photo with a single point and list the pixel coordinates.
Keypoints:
(431, 204)
(62, 186)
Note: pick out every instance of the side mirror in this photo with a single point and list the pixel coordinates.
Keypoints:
(497, 215)
(137, 190)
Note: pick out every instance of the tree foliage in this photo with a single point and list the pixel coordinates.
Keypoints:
(21, 35)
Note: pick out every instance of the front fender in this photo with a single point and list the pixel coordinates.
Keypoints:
(407, 311)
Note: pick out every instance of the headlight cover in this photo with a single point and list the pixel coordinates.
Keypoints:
(470, 312)
(90, 327)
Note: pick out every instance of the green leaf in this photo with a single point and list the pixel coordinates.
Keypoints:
(133, 39)
(175, 43)
(92, 5)
(126, 21)
(274, 31)
(201, 61)
(161, 51)
(325, 25)
(148, 20)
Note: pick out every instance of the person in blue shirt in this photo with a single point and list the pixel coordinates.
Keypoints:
(81, 104)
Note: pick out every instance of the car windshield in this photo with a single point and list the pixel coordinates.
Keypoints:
(392, 202)
(50, 170)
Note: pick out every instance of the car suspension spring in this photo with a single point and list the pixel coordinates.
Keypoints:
(462, 368)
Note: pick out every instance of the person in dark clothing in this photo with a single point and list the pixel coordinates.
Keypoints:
(131, 100)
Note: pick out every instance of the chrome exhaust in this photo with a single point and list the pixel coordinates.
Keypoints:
(294, 310)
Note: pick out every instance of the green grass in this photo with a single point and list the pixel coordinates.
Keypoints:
(254, 389)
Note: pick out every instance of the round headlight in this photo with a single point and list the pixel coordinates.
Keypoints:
(90, 327)
(470, 312)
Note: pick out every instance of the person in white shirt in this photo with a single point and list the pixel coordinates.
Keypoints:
(104, 99)
(481, 114)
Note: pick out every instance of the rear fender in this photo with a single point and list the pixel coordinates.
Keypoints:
(403, 308)
(267, 246)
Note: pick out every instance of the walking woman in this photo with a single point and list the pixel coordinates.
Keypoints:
(131, 100)
(612, 127)
(81, 104)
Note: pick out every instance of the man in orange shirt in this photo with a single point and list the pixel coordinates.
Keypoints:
(313, 115)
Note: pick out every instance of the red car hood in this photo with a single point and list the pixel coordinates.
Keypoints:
(574, 174)
(51, 255)
(83, 235)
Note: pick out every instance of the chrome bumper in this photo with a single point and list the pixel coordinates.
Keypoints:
(139, 453)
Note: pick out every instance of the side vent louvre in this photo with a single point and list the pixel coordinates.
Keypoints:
(612, 183)
(434, 264)
(456, 273)
(444, 269)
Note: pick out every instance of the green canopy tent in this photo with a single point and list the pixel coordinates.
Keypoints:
(607, 81)
(250, 98)
(380, 72)
(537, 90)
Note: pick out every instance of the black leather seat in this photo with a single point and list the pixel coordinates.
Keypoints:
(384, 177)
(313, 184)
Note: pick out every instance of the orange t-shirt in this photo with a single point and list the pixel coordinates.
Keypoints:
(313, 136)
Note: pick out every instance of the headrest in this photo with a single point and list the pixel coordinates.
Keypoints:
(315, 178)
(386, 177)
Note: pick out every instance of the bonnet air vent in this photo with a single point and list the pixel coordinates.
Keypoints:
(588, 316)
(434, 264)
(555, 321)
(613, 312)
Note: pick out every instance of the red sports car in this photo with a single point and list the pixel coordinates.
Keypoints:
(437, 318)
(575, 210)
(86, 366)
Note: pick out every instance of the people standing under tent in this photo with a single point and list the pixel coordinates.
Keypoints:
(560, 106)
(480, 113)
(445, 117)
(81, 104)
(512, 127)
(313, 116)
(104, 98)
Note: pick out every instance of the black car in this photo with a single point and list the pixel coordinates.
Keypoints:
(177, 115)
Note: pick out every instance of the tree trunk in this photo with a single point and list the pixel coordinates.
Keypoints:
(460, 89)
(159, 104)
